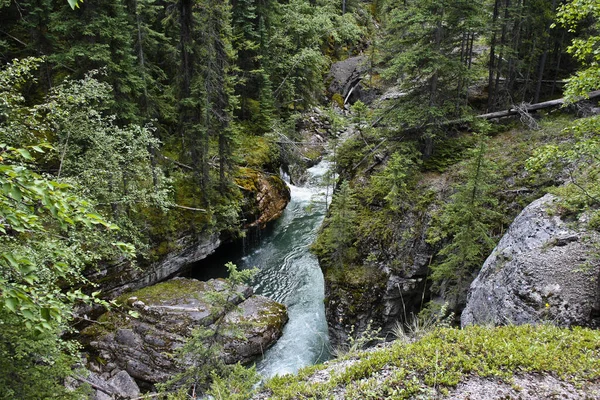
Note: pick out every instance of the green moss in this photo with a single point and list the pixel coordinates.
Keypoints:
(258, 151)
(172, 290)
(107, 323)
(274, 315)
(247, 178)
(446, 356)
(339, 100)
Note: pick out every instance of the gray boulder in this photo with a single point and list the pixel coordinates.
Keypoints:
(167, 315)
(543, 269)
(346, 79)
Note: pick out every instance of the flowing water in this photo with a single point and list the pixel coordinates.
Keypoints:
(290, 274)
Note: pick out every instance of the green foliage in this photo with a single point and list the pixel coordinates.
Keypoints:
(299, 32)
(466, 221)
(335, 243)
(111, 164)
(237, 385)
(34, 365)
(422, 39)
(396, 181)
(578, 158)
(49, 233)
(441, 359)
(448, 152)
(583, 49)
(356, 343)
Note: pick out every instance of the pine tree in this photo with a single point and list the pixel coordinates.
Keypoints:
(466, 224)
(336, 243)
(98, 36)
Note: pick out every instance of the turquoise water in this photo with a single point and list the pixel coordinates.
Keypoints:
(290, 274)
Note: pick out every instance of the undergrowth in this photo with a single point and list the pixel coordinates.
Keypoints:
(441, 359)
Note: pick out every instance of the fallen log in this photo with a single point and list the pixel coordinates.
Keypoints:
(531, 107)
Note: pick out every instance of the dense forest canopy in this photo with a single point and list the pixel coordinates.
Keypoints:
(126, 123)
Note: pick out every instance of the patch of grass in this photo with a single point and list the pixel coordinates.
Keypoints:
(443, 358)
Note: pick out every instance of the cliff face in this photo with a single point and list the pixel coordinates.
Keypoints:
(543, 269)
(265, 198)
(383, 293)
(116, 278)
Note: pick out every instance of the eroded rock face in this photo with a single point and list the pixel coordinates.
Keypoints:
(168, 313)
(265, 197)
(392, 292)
(543, 269)
(119, 277)
(272, 197)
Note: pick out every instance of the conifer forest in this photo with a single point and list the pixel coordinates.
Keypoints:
(299, 199)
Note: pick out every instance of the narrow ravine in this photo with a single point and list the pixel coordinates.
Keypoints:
(290, 274)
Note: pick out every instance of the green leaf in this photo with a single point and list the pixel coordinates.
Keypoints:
(45, 314)
(74, 3)
(25, 154)
(28, 314)
(11, 303)
(15, 193)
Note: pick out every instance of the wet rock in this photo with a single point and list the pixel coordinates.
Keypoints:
(270, 199)
(543, 269)
(168, 313)
(346, 80)
(262, 321)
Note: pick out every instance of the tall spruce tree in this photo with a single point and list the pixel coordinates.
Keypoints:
(465, 227)
(422, 42)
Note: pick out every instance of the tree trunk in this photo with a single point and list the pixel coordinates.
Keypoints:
(542, 65)
(492, 66)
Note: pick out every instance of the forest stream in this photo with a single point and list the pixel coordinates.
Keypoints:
(290, 274)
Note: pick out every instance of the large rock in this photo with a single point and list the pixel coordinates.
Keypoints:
(266, 196)
(345, 79)
(168, 313)
(543, 269)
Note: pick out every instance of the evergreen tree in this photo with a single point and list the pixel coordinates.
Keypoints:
(98, 36)
(336, 242)
(422, 42)
(524, 51)
(465, 225)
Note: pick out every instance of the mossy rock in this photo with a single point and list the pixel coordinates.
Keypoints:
(167, 315)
